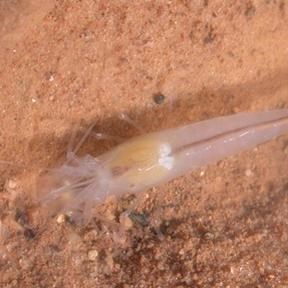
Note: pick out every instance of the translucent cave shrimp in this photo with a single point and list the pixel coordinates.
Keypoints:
(151, 159)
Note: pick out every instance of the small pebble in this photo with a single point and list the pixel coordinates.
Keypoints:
(182, 252)
(126, 221)
(158, 98)
(92, 255)
(61, 219)
(249, 172)
(11, 184)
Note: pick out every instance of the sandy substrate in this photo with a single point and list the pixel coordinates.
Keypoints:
(72, 62)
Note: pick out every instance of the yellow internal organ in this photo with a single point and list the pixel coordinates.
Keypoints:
(142, 161)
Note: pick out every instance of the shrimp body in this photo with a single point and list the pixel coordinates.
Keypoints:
(139, 164)
(155, 158)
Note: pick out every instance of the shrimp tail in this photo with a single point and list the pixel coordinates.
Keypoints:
(211, 140)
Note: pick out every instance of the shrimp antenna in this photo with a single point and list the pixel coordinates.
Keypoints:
(123, 116)
(104, 136)
(89, 131)
(83, 139)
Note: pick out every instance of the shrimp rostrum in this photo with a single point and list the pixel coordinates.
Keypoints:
(151, 159)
